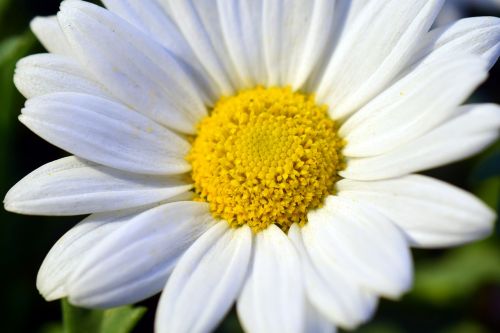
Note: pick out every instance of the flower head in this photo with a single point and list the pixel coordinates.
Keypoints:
(252, 151)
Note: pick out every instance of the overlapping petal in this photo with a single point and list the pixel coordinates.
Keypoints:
(153, 17)
(474, 128)
(71, 186)
(360, 242)
(340, 299)
(107, 133)
(49, 33)
(316, 322)
(272, 299)
(200, 23)
(413, 106)
(44, 74)
(145, 76)
(134, 262)
(206, 281)
(72, 248)
(373, 50)
(295, 36)
(475, 36)
(430, 212)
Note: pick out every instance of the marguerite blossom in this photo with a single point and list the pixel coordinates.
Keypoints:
(252, 152)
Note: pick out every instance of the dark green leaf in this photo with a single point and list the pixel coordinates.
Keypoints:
(458, 274)
(11, 50)
(489, 192)
(52, 328)
(121, 320)
(3, 7)
(77, 320)
(117, 320)
(466, 327)
(488, 165)
(379, 328)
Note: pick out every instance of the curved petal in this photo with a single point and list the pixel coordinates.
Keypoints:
(43, 74)
(71, 249)
(431, 213)
(153, 18)
(412, 107)
(70, 186)
(241, 24)
(134, 262)
(389, 31)
(474, 35)
(206, 281)
(265, 305)
(107, 133)
(316, 322)
(362, 243)
(331, 292)
(344, 15)
(295, 34)
(136, 69)
(476, 127)
(200, 23)
(50, 34)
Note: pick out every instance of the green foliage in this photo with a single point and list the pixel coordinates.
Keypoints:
(11, 50)
(117, 320)
(380, 328)
(488, 165)
(3, 7)
(489, 191)
(466, 327)
(457, 274)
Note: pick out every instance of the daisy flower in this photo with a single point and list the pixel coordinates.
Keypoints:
(254, 152)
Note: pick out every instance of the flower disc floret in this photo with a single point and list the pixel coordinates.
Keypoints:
(266, 156)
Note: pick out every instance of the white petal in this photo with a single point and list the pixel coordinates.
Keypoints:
(200, 23)
(295, 35)
(152, 17)
(476, 127)
(43, 74)
(135, 68)
(50, 34)
(362, 243)
(474, 35)
(206, 282)
(412, 107)
(107, 133)
(331, 291)
(134, 262)
(272, 299)
(430, 212)
(70, 250)
(70, 186)
(373, 50)
(241, 24)
(316, 322)
(345, 13)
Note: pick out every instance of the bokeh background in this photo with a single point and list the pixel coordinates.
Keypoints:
(456, 290)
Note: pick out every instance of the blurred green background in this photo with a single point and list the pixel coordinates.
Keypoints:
(456, 290)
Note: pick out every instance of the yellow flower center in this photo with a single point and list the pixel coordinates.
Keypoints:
(265, 156)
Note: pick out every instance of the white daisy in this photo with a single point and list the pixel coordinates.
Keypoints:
(257, 152)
